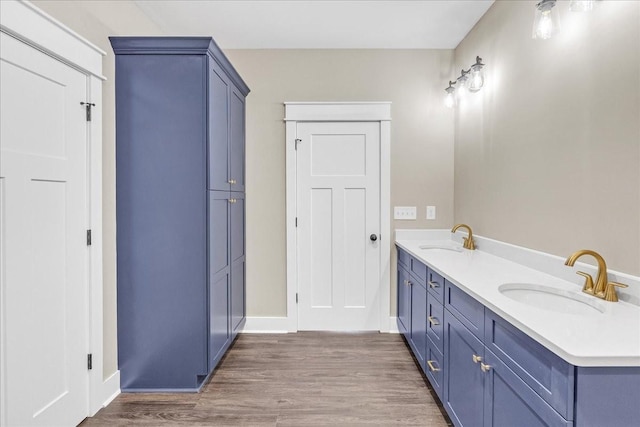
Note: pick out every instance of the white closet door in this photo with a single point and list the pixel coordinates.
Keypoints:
(44, 280)
(338, 210)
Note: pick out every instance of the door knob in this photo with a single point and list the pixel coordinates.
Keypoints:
(373, 237)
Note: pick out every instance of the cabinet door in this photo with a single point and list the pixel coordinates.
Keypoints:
(237, 246)
(464, 382)
(219, 274)
(418, 320)
(404, 302)
(218, 129)
(509, 401)
(236, 141)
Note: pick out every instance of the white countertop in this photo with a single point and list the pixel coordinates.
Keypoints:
(607, 338)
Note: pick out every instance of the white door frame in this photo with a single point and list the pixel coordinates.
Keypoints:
(25, 22)
(339, 112)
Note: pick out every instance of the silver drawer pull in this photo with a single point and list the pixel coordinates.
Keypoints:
(433, 321)
(433, 284)
(485, 368)
(476, 358)
(432, 368)
(232, 181)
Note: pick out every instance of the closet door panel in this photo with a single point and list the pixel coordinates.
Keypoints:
(218, 129)
(236, 140)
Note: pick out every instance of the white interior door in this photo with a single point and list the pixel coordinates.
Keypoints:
(338, 211)
(44, 254)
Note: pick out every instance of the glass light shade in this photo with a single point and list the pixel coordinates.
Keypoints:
(476, 81)
(546, 23)
(450, 99)
(581, 5)
(461, 84)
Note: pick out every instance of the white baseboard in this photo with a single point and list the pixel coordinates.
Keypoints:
(266, 325)
(111, 388)
(393, 325)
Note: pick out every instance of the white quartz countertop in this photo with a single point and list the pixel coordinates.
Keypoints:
(610, 337)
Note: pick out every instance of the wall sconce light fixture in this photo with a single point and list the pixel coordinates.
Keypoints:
(450, 99)
(477, 76)
(581, 5)
(470, 80)
(546, 23)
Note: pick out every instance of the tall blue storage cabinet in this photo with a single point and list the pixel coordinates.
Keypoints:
(180, 141)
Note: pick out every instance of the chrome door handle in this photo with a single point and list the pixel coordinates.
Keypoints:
(433, 285)
(433, 321)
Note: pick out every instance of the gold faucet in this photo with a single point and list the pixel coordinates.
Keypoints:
(468, 241)
(601, 289)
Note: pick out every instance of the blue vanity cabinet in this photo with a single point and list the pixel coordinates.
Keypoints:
(418, 336)
(403, 306)
(464, 380)
(180, 240)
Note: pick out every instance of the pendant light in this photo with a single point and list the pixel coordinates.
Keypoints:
(477, 76)
(450, 98)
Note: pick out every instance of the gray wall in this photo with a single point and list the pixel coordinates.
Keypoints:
(548, 155)
(421, 141)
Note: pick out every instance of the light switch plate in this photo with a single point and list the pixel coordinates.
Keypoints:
(404, 212)
(431, 212)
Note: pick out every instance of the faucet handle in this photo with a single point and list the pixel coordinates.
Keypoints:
(588, 283)
(610, 291)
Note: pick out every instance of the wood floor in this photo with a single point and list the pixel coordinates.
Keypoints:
(303, 379)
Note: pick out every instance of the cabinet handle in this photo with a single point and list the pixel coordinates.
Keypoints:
(409, 282)
(476, 358)
(485, 368)
(232, 200)
(433, 284)
(432, 368)
(232, 181)
(433, 321)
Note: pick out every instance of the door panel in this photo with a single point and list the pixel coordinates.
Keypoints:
(404, 303)
(43, 220)
(236, 141)
(237, 294)
(465, 380)
(218, 129)
(419, 320)
(219, 320)
(338, 178)
(237, 218)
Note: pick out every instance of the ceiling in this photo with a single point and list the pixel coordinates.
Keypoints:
(328, 24)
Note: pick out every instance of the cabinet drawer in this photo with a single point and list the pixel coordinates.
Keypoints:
(435, 322)
(434, 368)
(419, 270)
(469, 311)
(547, 374)
(509, 401)
(435, 284)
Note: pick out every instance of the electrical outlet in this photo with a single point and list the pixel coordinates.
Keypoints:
(404, 212)
(431, 212)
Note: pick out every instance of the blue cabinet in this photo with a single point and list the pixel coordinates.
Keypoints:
(489, 373)
(180, 240)
(464, 382)
(403, 302)
(418, 336)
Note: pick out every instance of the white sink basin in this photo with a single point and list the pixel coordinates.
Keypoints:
(447, 246)
(552, 299)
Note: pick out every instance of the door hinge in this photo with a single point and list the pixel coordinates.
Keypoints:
(89, 361)
(296, 297)
(296, 221)
(87, 107)
(88, 237)
(298, 141)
